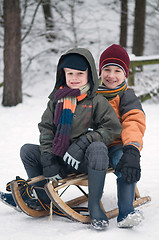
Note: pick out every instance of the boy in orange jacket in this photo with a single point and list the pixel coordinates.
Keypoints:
(124, 152)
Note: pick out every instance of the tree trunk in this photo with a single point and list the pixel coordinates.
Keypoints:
(139, 27)
(49, 23)
(12, 93)
(123, 23)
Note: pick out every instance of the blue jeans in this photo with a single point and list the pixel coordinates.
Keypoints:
(125, 191)
(115, 153)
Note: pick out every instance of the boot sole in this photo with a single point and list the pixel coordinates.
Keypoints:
(99, 225)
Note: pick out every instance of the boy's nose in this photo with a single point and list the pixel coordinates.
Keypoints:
(111, 74)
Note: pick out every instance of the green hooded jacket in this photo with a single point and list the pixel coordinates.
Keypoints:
(94, 116)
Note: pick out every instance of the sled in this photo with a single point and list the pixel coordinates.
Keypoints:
(72, 208)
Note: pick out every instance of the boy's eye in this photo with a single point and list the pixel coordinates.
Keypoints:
(106, 69)
(118, 70)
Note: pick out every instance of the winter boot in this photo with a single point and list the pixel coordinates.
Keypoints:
(96, 180)
(7, 199)
(128, 217)
(30, 195)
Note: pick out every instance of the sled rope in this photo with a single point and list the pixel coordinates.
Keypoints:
(23, 186)
(51, 214)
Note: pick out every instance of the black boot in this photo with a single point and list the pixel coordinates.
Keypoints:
(96, 181)
(7, 199)
(128, 217)
(34, 197)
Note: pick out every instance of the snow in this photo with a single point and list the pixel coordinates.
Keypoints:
(18, 125)
(142, 58)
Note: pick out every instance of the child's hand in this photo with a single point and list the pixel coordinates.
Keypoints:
(51, 167)
(129, 164)
(75, 153)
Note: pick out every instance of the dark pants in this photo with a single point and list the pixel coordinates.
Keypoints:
(96, 157)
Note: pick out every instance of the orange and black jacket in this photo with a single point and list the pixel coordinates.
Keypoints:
(132, 118)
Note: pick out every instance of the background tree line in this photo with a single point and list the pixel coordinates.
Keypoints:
(65, 22)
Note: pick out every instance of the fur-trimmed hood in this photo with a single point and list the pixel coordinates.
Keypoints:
(92, 71)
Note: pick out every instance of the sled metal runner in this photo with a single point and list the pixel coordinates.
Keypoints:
(67, 208)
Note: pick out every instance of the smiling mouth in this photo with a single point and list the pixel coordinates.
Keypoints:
(111, 81)
(75, 82)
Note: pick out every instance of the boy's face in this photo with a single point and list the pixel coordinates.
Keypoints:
(75, 78)
(112, 76)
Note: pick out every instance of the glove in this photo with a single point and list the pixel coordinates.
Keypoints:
(129, 164)
(51, 168)
(75, 153)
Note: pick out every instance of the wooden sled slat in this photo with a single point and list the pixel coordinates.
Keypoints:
(35, 179)
(81, 181)
(77, 201)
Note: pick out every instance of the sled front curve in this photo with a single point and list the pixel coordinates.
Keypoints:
(64, 207)
(21, 204)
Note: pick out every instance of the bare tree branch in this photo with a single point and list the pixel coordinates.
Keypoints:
(32, 22)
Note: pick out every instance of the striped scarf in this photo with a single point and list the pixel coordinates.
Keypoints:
(112, 93)
(67, 100)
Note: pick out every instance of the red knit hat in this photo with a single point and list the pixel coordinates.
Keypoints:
(115, 55)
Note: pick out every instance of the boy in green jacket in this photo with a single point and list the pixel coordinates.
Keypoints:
(75, 129)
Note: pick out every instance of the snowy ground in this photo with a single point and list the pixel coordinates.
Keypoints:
(18, 125)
